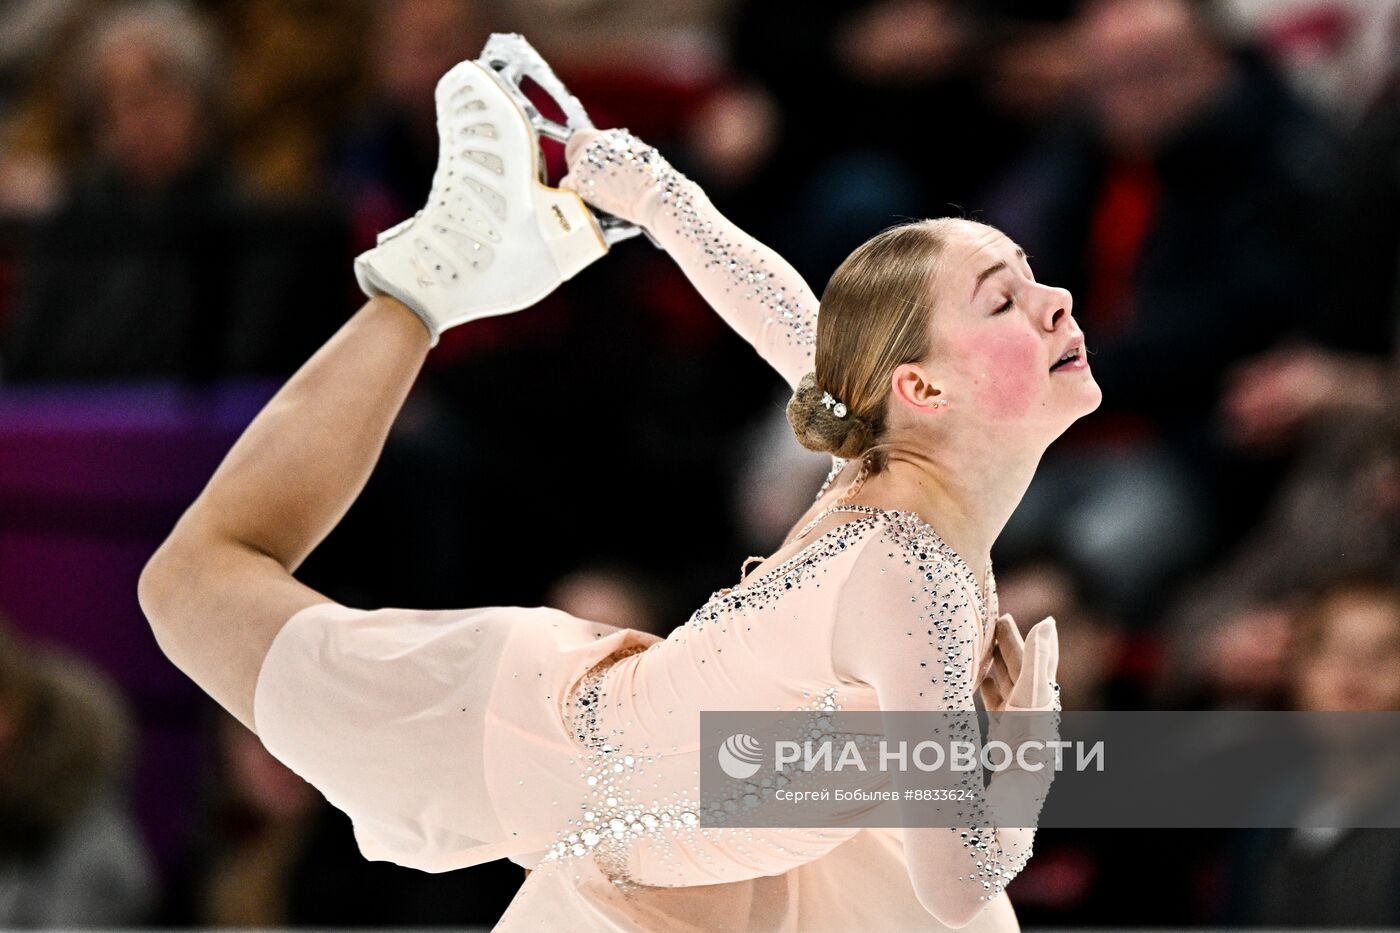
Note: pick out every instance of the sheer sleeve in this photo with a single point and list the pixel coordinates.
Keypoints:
(753, 288)
(907, 625)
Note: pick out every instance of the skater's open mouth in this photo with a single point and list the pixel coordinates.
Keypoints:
(1074, 353)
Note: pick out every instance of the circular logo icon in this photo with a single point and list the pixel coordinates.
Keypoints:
(740, 756)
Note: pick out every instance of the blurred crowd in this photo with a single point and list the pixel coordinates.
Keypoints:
(184, 184)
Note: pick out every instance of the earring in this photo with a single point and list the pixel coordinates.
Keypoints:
(941, 403)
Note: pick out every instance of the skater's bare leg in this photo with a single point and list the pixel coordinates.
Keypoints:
(221, 586)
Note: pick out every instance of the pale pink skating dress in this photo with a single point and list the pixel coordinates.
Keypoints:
(456, 737)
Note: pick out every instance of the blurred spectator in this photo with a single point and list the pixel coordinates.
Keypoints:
(1332, 397)
(147, 92)
(69, 853)
(1184, 208)
(387, 156)
(1034, 64)
(33, 34)
(1272, 400)
(296, 68)
(1273, 397)
(27, 33)
(731, 135)
(241, 879)
(269, 852)
(1338, 511)
(626, 35)
(1341, 53)
(879, 115)
(1346, 658)
(1242, 660)
(1346, 653)
(158, 266)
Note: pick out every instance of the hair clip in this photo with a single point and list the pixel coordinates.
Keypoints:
(836, 408)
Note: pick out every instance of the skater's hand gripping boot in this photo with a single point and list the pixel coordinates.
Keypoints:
(618, 173)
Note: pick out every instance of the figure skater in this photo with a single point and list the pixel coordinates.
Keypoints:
(937, 375)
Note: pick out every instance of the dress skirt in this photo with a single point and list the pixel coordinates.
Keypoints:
(441, 734)
(862, 884)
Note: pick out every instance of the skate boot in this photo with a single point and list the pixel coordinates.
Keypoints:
(493, 237)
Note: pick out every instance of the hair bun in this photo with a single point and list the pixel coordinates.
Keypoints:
(817, 428)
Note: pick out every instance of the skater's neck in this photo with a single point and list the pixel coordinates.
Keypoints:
(966, 495)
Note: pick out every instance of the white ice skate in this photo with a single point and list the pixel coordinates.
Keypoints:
(493, 237)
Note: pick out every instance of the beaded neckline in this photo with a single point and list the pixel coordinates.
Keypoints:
(754, 582)
(980, 592)
(871, 511)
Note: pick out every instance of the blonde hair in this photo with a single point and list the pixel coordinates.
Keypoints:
(874, 317)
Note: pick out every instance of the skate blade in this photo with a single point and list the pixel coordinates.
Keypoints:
(511, 59)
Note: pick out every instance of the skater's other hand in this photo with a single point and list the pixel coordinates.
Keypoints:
(1023, 671)
(1036, 687)
(616, 172)
(1001, 675)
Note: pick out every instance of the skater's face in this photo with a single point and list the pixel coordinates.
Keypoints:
(995, 337)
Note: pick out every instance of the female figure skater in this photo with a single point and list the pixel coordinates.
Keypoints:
(938, 374)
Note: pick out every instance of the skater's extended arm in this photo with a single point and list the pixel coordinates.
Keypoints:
(753, 288)
(220, 586)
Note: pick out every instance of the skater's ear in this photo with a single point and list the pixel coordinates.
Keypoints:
(913, 385)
